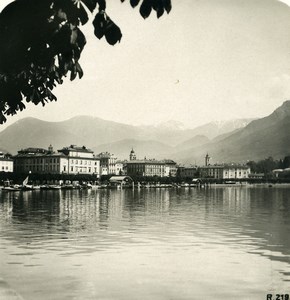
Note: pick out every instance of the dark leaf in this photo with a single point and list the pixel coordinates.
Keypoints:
(2, 118)
(73, 73)
(83, 16)
(99, 25)
(102, 4)
(74, 11)
(50, 95)
(90, 4)
(81, 39)
(134, 3)
(167, 5)
(79, 70)
(113, 33)
(61, 41)
(160, 12)
(158, 7)
(146, 8)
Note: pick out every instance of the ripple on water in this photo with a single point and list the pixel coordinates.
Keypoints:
(159, 244)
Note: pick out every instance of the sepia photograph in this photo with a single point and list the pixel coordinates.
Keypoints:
(144, 149)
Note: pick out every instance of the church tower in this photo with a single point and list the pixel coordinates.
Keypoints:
(207, 158)
(132, 155)
(50, 149)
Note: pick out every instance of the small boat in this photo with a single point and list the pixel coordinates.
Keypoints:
(11, 187)
(85, 186)
(68, 187)
(103, 186)
(27, 187)
(50, 187)
(230, 182)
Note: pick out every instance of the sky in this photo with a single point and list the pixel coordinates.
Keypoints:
(207, 60)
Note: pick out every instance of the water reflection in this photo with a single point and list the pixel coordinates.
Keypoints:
(241, 221)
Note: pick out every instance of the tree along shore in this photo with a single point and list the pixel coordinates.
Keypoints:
(18, 178)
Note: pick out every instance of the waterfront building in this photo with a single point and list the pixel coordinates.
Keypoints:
(104, 170)
(107, 163)
(68, 160)
(120, 168)
(226, 171)
(6, 163)
(187, 172)
(146, 167)
(170, 168)
(149, 167)
(80, 160)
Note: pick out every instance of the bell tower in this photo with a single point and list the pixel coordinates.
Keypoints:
(132, 155)
(207, 158)
(50, 149)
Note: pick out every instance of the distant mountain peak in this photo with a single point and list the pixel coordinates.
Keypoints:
(233, 123)
(283, 110)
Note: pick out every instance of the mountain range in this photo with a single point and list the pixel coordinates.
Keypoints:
(235, 140)
(99, 135)
(261, 138)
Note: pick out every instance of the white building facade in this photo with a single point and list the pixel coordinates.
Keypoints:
(230, 171)
(6, 163)
(68, 160)
(107, 163)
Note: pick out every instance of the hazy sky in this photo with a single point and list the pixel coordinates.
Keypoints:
(207, 60)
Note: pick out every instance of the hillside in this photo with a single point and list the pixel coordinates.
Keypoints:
(93, 132)
(261, 138)
(217, 128)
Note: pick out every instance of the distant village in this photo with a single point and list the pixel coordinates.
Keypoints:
(81, 160)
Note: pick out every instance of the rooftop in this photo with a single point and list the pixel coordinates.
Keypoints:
(32, 150)
(222, 166)
(76, 149)
(146, 161)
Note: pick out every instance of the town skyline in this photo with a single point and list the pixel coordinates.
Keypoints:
(234, 141)
(238, 68)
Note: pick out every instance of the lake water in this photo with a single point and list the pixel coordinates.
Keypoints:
(214, 243)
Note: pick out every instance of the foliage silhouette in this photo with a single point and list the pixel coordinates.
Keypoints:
(41, 43)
